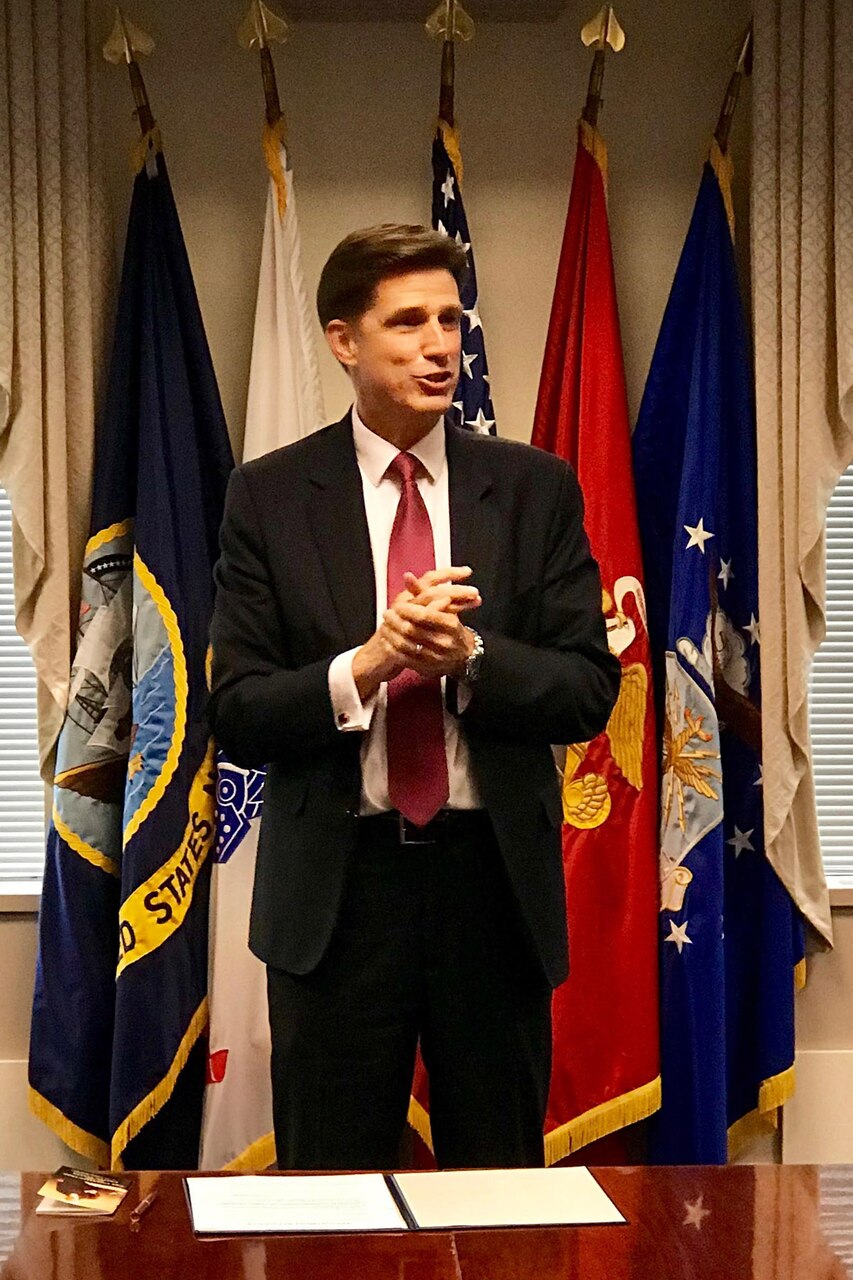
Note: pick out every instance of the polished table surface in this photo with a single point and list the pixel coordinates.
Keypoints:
(764, 1222)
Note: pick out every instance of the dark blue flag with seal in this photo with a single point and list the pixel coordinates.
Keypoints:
(472, 403)
(121, 984)
(731, 938)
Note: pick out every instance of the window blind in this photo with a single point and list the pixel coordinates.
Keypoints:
(831, 695)
(22, 793)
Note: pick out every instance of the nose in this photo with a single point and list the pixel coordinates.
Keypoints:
(438, 342)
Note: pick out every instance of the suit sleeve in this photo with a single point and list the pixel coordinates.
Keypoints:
(261, 707)
(561, 687)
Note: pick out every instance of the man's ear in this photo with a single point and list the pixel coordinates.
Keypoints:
(341, 340)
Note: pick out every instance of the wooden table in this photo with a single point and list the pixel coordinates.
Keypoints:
(761, 1222)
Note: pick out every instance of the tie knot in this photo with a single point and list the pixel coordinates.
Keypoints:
(406, 465)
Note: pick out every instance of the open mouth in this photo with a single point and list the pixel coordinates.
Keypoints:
(433, 383)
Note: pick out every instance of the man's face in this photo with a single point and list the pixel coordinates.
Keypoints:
(403, 353)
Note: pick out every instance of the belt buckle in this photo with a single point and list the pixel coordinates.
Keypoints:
(405, 827)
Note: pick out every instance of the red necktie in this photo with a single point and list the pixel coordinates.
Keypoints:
(417, 762)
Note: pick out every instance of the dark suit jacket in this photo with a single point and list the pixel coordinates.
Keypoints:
(296, 586)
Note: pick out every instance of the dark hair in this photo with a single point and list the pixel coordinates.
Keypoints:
(350, 277)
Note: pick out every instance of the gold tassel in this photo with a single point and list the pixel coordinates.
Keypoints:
(152, 140)
(724, 169)
(450, 138)
(274, 139)
(593, 142)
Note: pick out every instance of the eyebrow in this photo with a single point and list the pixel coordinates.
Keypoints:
(413, 314)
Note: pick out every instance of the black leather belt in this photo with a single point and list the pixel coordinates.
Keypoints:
(447, 822)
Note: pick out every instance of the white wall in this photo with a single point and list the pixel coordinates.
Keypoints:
(361, 101)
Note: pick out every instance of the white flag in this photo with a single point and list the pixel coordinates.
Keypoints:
(284, 404)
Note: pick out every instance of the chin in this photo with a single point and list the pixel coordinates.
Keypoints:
(431, 405)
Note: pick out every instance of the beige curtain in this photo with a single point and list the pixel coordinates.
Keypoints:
(55, 265)
(802, 256)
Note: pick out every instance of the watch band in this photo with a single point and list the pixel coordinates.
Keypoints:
(472, 666)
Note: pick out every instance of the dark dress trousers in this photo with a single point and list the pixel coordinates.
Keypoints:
(296, 587)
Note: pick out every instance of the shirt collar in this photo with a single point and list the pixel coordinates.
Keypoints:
(375, 455)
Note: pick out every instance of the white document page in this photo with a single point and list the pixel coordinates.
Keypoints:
(507, 1198)
(245, 1204)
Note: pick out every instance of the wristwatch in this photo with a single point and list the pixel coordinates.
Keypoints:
(472, 666)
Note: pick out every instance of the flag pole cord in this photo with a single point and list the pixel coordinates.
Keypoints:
(744, 67)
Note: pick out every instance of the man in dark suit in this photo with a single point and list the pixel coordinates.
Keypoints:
(407, 616)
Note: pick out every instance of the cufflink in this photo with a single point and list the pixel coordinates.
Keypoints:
(343, 718)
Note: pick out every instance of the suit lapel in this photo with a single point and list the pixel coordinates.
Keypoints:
(473, 519)
(339, 527)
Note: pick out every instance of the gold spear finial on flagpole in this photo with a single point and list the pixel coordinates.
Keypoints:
(123, 44)
(448, 23)
(262, 27)
(743, 67)
(602, 30)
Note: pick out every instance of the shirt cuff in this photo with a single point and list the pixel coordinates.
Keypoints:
(464, 694)
(349, 710)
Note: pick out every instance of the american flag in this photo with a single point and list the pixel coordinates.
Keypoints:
(472, 405)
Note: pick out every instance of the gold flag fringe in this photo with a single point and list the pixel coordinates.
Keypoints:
(85, 1144)
(602, 1120)
(772, 1095)
(450, 138)
(593, 142)
(724, 169)
(598, 1122)
(149, 1106)
(800, 975)
(258, 1156)
(273, 140)
(150, 141)
(419, 1121)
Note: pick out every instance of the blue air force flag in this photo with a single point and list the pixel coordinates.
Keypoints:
(472, 404)
(731, 939)
(121, 984)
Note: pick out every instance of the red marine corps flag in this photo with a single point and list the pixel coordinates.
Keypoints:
(606, 1059)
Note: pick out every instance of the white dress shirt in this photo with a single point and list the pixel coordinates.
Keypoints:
(381, 497)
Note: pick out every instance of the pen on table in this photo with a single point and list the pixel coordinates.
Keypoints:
(140, 1210)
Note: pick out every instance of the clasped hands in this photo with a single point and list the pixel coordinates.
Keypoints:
(421, 630)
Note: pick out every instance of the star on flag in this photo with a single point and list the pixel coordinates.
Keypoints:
(698, 535)
(446, 189)
(754, 629)
(725, 575)
(481, 423)
(678, 935)
(473, 318)
(468, 358)
(740, 841)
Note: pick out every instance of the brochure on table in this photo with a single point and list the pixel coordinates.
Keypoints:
(246, 1204)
